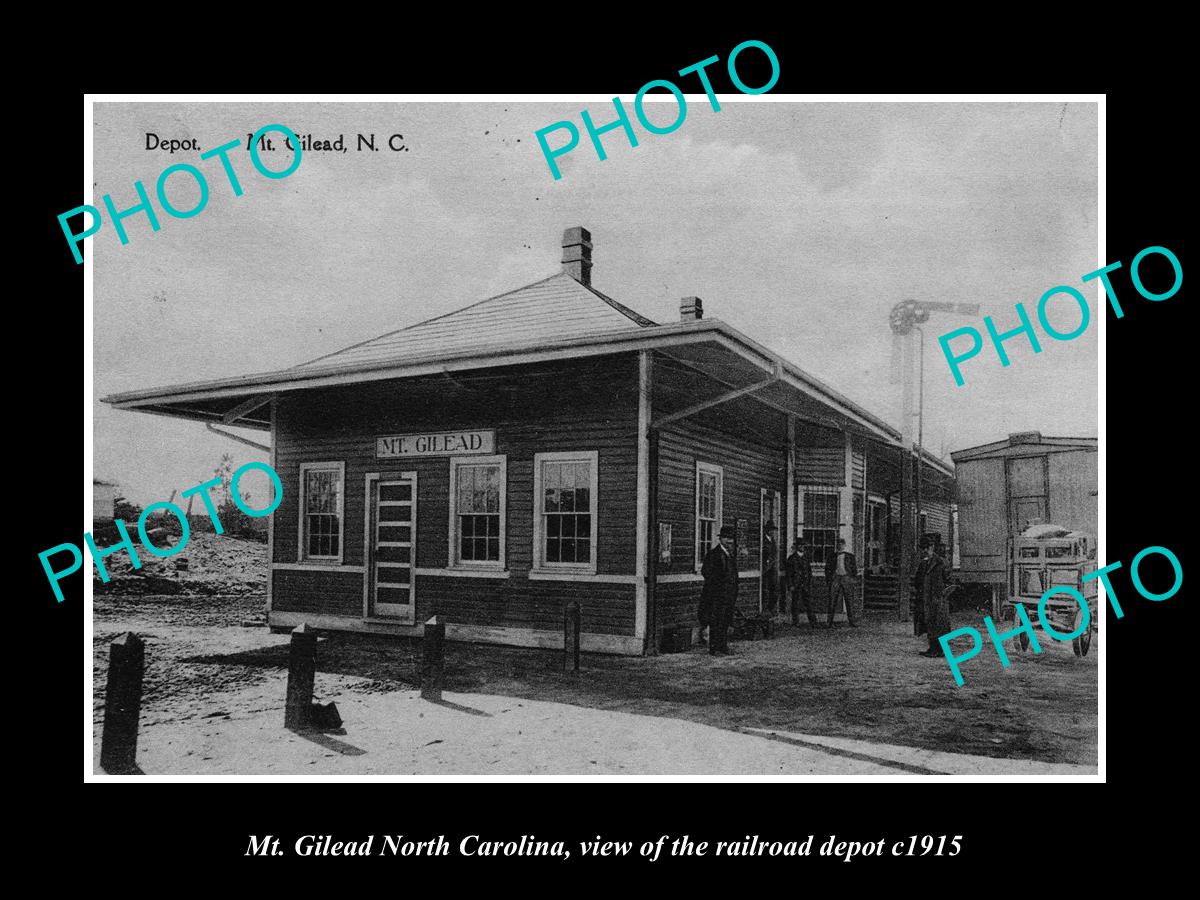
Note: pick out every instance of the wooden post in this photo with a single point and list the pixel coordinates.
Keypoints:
(571, 637)
(792, 512)
(302, 670)
(652, 553)
(122, 705)
(433, 647)
(645, 564)
(906, 548)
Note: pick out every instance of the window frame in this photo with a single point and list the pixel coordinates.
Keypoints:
(592, 457)
(802, 516)
(302, 554)
(719, 471)
(453, 560)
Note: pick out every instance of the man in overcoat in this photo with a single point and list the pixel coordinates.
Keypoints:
(932, 596)
(770, 571)
(798, 570)
(719, 595)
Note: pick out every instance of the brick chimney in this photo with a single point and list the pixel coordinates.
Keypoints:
(577, 254)
(691, 309)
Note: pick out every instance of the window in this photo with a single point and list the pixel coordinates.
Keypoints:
(477, 511)
(1031, 582)
(709, 495)
(564, 490)
(819, 513)
(1064, 576)
(321, 489)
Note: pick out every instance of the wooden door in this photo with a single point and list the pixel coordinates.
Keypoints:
(392, 549)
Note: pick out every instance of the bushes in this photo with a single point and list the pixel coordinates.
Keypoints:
(235, 522)
(238, 524)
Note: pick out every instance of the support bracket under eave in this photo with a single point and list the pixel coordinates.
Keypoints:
(236, 437)
(717, 401)
(244, 409)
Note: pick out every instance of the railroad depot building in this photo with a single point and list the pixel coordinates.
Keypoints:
(549, 445)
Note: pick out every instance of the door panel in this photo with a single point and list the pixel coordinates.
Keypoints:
(1026, 511)
(876, 533)
(1027, 476)
(391, 550)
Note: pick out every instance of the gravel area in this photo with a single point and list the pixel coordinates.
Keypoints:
(213, 669)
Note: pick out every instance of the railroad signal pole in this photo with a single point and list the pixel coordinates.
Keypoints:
(906, 318)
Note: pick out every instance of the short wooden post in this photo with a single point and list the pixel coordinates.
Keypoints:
(302, 670)
(433, 648)
(571, 637)
(122, 705)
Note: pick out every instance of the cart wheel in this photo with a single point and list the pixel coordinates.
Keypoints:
(1081, 644)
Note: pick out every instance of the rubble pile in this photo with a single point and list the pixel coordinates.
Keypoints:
(210, 564)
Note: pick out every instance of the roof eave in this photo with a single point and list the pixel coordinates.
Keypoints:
(297, 379)
(624, 341)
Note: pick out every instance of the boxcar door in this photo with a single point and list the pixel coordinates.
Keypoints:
(1026, 491)
(393, 545)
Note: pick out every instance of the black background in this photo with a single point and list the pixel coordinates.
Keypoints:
(1021, 836)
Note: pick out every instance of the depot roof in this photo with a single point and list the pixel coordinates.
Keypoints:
(555, 318)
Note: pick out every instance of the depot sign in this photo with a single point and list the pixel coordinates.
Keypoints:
(436, 444)
(187, 171)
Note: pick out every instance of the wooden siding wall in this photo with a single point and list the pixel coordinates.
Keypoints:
(749, 465)
(1073, 486)
(858, 464)
(588, 405)
(821, 465)
(820, 455)
(937, 519)
(982, 518)
(883, 471)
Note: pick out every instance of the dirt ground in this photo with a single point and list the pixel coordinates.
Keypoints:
(215, 683)
(208, 565)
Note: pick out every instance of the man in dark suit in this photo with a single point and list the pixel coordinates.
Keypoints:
(770, 570)
(840, 572)
(720, 591)
(932, 597)
(798, 570)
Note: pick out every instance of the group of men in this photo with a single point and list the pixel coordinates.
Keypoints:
(719, 595)
(840, 571)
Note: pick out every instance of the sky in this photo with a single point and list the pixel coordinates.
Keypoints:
(799, 224)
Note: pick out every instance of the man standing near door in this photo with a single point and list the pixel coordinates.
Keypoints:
(798, 572)
(770, 569)
(840, 572)
(720, 591)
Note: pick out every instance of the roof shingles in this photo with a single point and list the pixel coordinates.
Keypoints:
(556, 308)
